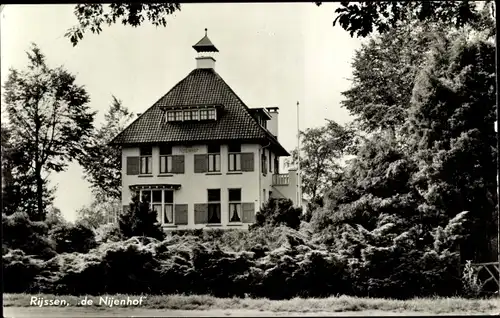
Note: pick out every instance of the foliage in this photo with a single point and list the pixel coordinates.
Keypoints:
(362, 18)
(377, 181)
(108, 233)
(470, 280)
(451, 129)
(277, 212)
(19, 271)
(19, 232)
(18, 184)
(100, 211)
(49, 118)
(321, 151)
(54, 218)
(71, 238)
(102, 161)
(92, 16)
(140, 220)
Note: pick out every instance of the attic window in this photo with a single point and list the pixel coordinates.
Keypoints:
(191, 115)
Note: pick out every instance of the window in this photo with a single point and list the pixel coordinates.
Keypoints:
(263, 122)
(234, 205)
(165, 159)
(178, 116)
(234, 157)
(276, 164)
(187, 115)
(214, 206)
(146, 159)
(263, 196)
(162, 202)
(194, 115)
(211, 114)
(263, 162)
(213, 158)
(270, 162)
(203, 114)
(170, 116)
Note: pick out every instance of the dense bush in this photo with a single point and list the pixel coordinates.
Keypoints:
(69, 238)
(107, 233)
(140, 220)
(19, 232)
(276, 212)
(19, 271)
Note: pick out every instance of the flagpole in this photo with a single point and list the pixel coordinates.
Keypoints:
(299, 179)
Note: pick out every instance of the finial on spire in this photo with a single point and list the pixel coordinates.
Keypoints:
(205, 45)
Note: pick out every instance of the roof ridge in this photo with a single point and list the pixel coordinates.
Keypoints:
(152, 106)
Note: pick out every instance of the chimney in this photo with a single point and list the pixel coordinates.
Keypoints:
(272, 124)
(206, 50)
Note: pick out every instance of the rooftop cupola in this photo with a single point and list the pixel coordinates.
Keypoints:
(206, 51)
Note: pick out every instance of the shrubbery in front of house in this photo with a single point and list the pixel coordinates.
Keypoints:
(69, 237)
(140, 220)
(276, 212)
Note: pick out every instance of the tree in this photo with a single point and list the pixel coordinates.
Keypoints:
(140, 220)
(101, 211)
(364, 17)
(91, 16)
(18, 184)
(101, 161)
(49, 117)
(451, 125)
(276, 212)
(321, 151)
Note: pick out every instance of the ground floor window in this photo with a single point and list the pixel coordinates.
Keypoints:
(161, 201)
(214, 206)
(234, 205)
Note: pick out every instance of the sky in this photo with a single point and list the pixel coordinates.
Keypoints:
(271, 54)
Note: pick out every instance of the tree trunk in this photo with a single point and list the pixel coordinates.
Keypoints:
(39, 193)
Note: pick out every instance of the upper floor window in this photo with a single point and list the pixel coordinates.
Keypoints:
(165, 159)
(263, 162)
(203, 114)
(187, 115)
(213, 158)
(146, 155)
(234, 159)
(276, 164)
(270, 163)
(263, 122)
(170, 116)
(178, 116)
(194, 114)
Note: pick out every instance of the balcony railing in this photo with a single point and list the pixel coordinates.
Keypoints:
(281, 179)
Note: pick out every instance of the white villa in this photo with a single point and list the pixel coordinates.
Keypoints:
(201, 157)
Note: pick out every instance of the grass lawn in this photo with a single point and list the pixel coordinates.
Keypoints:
(297, 305)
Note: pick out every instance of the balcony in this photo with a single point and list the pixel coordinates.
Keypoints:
(281, 179)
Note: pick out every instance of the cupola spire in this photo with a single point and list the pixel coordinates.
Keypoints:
(206, 50)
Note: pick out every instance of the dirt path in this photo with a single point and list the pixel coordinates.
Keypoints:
(16, 312)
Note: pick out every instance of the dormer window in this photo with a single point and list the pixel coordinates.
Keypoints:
(191, 114)
(211, 114)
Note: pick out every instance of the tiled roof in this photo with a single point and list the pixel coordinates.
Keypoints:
(200, 87)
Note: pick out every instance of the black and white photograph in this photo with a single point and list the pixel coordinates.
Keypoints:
(250, 159)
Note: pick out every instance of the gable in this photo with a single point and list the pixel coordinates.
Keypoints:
(200, 87)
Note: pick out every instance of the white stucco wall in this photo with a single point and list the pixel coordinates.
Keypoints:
(194, 185)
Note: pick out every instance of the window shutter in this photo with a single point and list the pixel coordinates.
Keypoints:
(181, 214)
(247, 163)
(200, 163)
(248, 212)
(133, 165)
(178, 164)
(201, 213)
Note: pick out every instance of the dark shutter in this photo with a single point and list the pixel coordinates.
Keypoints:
(248, 212)
(178, 164)
(181, 214)
(200, 163)
(247, 162)
(201, 213)
(133, 165)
